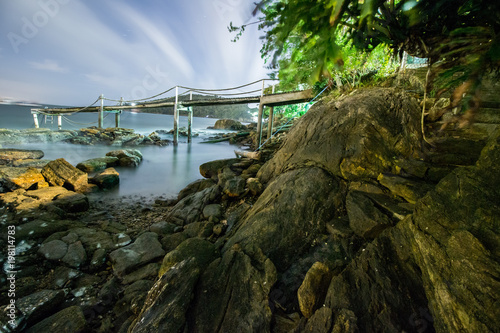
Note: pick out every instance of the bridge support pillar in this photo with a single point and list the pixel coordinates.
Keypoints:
(35, 119)
(190, 124)
(176, 116)
(259, 123)
(101, 112)
(59, 123)
(270, 123)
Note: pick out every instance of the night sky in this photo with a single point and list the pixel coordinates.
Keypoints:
(69, 52)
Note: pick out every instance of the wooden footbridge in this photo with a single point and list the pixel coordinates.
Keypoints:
(269, 100)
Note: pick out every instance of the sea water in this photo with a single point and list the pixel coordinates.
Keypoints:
(163, 172)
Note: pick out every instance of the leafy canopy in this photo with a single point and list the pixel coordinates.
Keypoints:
(308, 40)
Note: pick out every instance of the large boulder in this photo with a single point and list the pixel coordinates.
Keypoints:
(107, 179)
(7, 156)
(61, 173)
(228, 124)
(356, 136)
(69, 320)
(97, 164)
(127, 157)
(299, 201)
(12, 178)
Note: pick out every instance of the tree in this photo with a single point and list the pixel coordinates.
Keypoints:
(459, 37)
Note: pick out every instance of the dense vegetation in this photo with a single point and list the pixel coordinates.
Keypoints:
(328, 40)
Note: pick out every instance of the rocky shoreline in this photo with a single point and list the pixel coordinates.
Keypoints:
(350, 224)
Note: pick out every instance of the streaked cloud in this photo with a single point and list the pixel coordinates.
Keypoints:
(48, 65)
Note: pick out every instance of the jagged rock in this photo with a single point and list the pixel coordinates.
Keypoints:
(36, 306)
(214, 210)
(62, 277)
(364, 218)
(361, 138)
(53, 250)
(233, 293)
(76, 255)
(150, 271)
(313, 289)
(167, 302)
(97, 164)
(145, 249)
(40, 228)
(163, 228)
(234, 186)
(7, 156)
(69, 320)
(170, 242)
(127, 157)
(212, 169)
(410, 190)
(13, 178)
(199, 229)
(107, 179)
(133, 299)
(320, 322)
(201, 250)
(196, 186)
(61, 173)
(228, 124)
(30, 163)
(71, 202)
(299, 201)
(189, 209)
(345, 322)
(98, 259)
(254, 186)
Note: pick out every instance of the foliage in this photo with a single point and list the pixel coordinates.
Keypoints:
(311, 41)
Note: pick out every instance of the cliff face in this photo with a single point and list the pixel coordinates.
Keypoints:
(349, 192)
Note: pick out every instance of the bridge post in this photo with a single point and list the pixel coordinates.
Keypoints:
(190, 123)
(259, 123)
(270, 122)
(59, 122)
(117, 115)
(176, 116)
(101, 112)
(35, 119)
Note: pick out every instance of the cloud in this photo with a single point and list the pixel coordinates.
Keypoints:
(48, 65)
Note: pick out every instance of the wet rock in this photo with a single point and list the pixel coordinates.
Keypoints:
(345, 322)
(211, 169)
(170, 242)
(133, 298)
(233, 293)
(299, 201)
(40, 228)
(98, 259)
(30, 163)
(36, 306)
(13, 178)
(320, 322)
(127, 157)
(145, 249)
(189, 209)
(201, 250)
(76, 255)
(410, 190)
(71, 202)
(121, 239)
(199, 229)
(163, 228)
(63, 276)
(70, 238)
(97, 164)
(107, 179)
(7, 155)
(365, 219)
(168, 301)
(213, 210)
(150, 271)
(229, 124)
(61, 173)
(313, 289)
(194, 187)
(254, 186)
(69, 320)
(53, 250)
(234, 187)
(93, 239)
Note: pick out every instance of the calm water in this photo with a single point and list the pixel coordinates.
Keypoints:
(164, 170)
